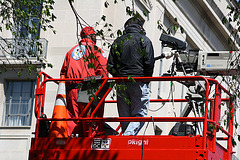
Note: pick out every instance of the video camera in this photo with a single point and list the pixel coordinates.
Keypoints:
(184, 61)
(173, 42)
(202, 62)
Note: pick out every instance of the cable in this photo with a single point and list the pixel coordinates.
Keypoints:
(76, 14)
(153, 124)
(163, 104)
(78, 23)
(171, 91)
(143, 139)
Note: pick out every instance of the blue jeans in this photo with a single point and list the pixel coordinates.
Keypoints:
(137, 93)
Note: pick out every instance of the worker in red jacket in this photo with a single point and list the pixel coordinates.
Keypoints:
(83, 60)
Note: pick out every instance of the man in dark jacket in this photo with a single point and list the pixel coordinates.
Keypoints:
(132, 55)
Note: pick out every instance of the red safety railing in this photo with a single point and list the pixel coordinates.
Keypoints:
(211, 105)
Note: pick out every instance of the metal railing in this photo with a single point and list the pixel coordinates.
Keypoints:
(12, 48)
(212, 111)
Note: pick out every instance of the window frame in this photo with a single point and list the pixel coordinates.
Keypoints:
(147, 5)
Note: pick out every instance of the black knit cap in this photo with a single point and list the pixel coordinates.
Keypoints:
(133, 20)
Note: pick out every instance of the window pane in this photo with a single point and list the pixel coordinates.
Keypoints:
(9, 91)
(24, 108)
(26, 92)
(16, 91)
(6, 114)
(17, 121)
(14, 109)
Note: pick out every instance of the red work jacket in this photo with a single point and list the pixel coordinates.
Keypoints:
(84, 60)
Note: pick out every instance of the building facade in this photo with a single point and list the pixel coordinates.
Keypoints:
(199, 23)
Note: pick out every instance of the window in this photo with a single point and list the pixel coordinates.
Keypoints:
(28, 30)
(147, 4)
(19, 103)
(32, 14)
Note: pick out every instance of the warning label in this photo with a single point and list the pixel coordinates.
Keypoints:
(101, 144)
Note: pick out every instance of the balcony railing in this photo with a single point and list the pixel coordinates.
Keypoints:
(17, 49)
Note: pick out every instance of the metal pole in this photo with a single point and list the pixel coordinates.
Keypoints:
(160, 72)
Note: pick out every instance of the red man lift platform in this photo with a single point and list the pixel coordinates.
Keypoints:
(95, 146)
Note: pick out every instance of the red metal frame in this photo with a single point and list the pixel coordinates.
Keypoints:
(136, 147)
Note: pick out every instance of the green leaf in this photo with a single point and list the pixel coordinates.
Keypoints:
(53, 17)
(106, 4)
(174, 27)
(129, 37)
(236, 125)
(235, 17)
(50, 65)
(19, 74)
(145, 13)
(95, 48)
(117, 53)
(128, 10)
(233, 143)
(119, 33)
(229, 40)
(112, 35)
(230, 19)
(91, 65)
(182, 30)
(103, 17)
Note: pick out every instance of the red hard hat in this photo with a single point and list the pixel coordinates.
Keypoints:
(87, 31)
